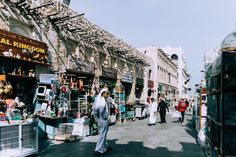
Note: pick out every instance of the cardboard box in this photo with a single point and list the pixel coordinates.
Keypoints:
(3, 77)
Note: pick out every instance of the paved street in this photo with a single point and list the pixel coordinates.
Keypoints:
(137, 139)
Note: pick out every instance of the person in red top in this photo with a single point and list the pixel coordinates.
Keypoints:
(182, 106)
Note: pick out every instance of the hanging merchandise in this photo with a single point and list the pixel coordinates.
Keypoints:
(63, 89)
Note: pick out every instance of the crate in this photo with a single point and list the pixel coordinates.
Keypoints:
(230, 141)
(212, 106)
(18, 140)
(229, 108)
(65, 128)
(229, 69)
(214, 83)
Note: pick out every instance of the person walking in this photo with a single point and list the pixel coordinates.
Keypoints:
(162, 107)
(100, 113)
(153, 112)
(182, 106)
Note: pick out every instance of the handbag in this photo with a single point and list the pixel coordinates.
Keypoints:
(176, 114)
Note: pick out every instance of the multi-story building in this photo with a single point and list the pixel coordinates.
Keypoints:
(150, 81)
(164, 72)
(178, 57)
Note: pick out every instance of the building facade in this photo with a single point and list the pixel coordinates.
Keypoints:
(164, 72)
(178, 57)
(76, 49)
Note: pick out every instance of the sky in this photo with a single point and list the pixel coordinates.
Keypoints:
(198, 26)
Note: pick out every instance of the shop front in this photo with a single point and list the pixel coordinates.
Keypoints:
(80, 82)
(139, 87)
(127, 80)
(140, 106)
(108, 79)
(22, 60)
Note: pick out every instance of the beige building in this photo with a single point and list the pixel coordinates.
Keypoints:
(167, 74)
(163, 71)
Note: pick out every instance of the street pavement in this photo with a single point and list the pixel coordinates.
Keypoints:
(136, 139)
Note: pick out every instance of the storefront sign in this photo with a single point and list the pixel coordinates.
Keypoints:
(20, 45)
(14, 45)
(109, 72)
(127, 78)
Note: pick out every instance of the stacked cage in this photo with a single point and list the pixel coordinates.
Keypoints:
(221, 84)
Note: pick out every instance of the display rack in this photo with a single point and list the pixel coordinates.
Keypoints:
(18, 140)
(83, 106)
(221, 83)
(120, 100)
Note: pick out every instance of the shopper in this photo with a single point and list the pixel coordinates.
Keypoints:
(182, 106)
(162, 107)
(153, 112)
(100, 113)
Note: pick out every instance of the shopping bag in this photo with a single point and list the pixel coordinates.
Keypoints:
(176, 114)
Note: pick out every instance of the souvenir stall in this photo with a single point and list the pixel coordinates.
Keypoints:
(139, 106)
(80, 86)
(21, 61)
(64, 103)
(120, 101)
(127, 80)
(108, 79)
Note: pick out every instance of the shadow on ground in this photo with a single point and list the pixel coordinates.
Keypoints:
(131, 149)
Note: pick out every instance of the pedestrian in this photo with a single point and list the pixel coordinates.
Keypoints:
(153, 112)
(182, 106)
(162, 107)
(100, 113)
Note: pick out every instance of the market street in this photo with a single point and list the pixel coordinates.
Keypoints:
(136, 139)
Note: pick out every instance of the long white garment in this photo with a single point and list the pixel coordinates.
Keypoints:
(100, 113)
(153, 110)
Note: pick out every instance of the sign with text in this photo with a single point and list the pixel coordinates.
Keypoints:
(109, 73)
(127, 78)
(14, 45)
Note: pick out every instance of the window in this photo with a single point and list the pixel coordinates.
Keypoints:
(169, 78)
(149, 74)
(20, 28)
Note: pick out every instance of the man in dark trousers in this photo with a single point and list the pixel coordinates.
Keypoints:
(162, 107)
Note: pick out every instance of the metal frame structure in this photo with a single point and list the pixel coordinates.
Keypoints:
(19, 140)
(221, 82)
